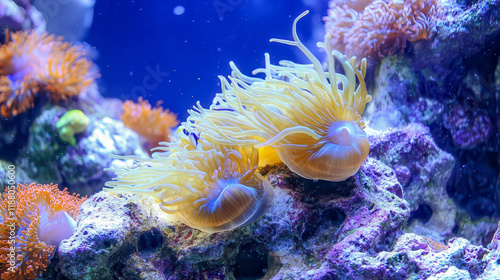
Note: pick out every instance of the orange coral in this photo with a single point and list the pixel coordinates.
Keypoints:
(66, 75)
(15, 99)
(154, 124)
(380, 28)
(32, 63)
(28, 227)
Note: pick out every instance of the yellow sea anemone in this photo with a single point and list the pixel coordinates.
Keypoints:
(311, 117)
(207, 186)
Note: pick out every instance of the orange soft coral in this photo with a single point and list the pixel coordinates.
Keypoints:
(32, 63)
(379, 28)
(33, 227)
(154, 124)
(66, 75)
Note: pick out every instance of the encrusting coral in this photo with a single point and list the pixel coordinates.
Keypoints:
(154, 124)
(71, 123)
(31, 63)
(208, 186)
(33, 226)
(381, 27)
(311, 117)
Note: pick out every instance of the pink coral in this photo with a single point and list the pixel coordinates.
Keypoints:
(379, 28)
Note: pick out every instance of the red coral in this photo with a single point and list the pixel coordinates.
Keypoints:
(32, 63)
(154, 124)
(34, 203)
(382, 27)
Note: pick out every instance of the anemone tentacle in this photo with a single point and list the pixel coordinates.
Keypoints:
(293, 110)
(208, 186)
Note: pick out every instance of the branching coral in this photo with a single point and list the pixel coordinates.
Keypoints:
(154, 124)
(207, 186)
(31, 63)
(33, 226)
(311, 117)
(381, 27)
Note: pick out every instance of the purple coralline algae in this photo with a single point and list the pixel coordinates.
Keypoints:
(304, 235)
(468, 128)
(315, 230)
(425, 170)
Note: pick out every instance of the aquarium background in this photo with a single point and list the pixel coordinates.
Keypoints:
(190, 48)
(389, 174)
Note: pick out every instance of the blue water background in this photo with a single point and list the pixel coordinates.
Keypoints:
(135, 39)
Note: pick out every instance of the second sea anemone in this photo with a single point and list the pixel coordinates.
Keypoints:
(207, 186)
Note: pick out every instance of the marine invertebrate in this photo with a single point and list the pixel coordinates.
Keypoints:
(66, 74)
(380, 27)
(436, 246)
(154, 124)
(31, 63)
(208, 186)
(311, 117)
(33, 227)
(71, 123)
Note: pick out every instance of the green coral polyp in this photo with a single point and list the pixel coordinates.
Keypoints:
(71, 123)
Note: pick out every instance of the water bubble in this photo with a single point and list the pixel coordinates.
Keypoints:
(179, 10)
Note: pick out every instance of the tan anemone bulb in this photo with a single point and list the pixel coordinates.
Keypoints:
(205, 185)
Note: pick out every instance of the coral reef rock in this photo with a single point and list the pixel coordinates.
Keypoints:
(46, 158)
(314, 230)
(398, 96)
(425, 170)
(462, 33)
(20, 15)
